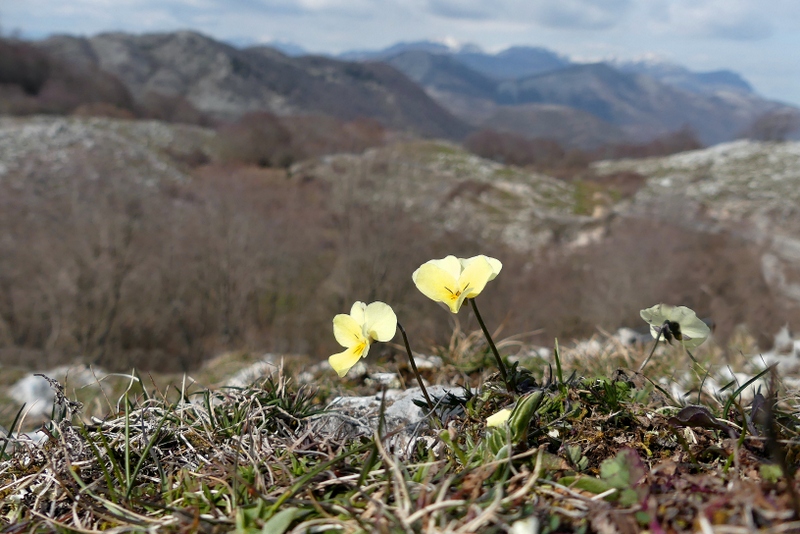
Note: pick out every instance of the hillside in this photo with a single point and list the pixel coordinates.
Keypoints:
(699, 82)
(637, 101)
(448, 189)
(146, 245)
(745, 187)
(225, 82)
(715, 227)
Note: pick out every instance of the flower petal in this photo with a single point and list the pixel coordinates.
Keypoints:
(436, 283)
(450, 264)
(380, 321)
(474, 277)
(499, 418)
(656, 316)
(357, 311)
(347, 331)
(693, 330)
(691, 325)
(344, 361)
(456, 304)
(495, 264)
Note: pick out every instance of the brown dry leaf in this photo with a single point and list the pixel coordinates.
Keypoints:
(473, 482)
(606, 521)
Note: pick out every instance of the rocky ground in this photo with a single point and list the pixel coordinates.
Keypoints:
(147, 151)
(745, 187)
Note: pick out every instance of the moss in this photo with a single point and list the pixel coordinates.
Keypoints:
(586, 198)
(504, 173)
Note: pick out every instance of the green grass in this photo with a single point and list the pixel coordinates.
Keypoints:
(585, 445)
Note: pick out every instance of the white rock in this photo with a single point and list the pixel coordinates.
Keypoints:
(354, 417)
(425, 361)
(385, 379)
(630, 337)
(784, 342)
(37, 395)
(256, 371)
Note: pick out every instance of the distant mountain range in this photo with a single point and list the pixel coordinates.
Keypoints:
(514, 62)
(524, 61)
(536, 92)
(430, 89)
(696, 82)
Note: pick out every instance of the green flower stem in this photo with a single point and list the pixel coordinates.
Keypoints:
(500, 364)
(658, 338)
(414, 367)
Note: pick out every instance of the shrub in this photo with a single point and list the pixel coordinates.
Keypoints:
(773, 126)
(23, 65)
(103, 109)
(170, 108)
(257, 138)
(548, 155)
(513, 149)
(679, 141)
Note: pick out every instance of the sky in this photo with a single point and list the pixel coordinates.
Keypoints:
(759, 39)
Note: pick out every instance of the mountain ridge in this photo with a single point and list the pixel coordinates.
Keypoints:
(644, 100)
(521, 61)
(431, 89)
(226, 83)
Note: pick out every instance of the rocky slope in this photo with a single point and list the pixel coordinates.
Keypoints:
(745, 189)
(225, 82)
(447, 188)
(37, 149)
(749, 188)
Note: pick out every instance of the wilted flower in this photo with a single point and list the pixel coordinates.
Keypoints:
(529, 525)
(451, 280)
(498, 418)
(357, 331)
(676, 322)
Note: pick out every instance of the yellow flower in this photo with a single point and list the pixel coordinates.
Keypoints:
(451, 280)
(678, 322)
(357, 331)
(499, 418)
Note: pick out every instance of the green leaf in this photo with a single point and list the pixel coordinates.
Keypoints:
(623, 471)
(281, 521)
(497, 439)
(458, 451)
(522, 414)
(590, 484)
(770, 472)
(628, 497)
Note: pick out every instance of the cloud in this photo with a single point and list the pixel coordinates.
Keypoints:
(565, 14)
(581, 14)
(454, 9)
(738, 20)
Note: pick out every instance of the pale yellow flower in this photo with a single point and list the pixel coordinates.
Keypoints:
(451, 280)
(682, 324)
(499, 418)
(357, 331)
